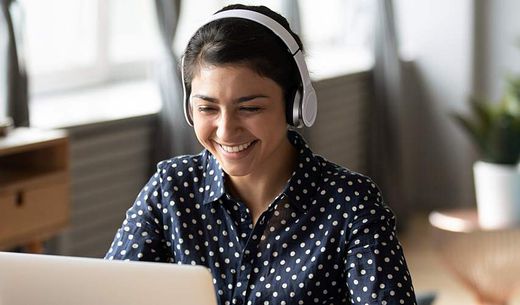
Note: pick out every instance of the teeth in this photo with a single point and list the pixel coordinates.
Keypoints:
(235, 149)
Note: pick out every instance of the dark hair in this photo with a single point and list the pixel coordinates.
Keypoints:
(241, 41)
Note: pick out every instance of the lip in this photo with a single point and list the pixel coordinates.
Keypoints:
(236, 155)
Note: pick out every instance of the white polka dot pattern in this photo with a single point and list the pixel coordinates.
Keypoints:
(328, 238)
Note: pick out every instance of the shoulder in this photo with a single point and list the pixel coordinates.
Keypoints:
(185, 166)
(352, 190)
(197, 177)
(339, 178)
(357, 197)
(183, 171)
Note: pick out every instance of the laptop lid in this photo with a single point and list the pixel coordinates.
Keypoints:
(27, 279)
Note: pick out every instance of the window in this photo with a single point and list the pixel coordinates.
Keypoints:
(79, 43)
(338, 35)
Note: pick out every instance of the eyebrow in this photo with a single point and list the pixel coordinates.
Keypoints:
(238, 100)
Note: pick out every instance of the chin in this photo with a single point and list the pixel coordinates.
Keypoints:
(235, 171)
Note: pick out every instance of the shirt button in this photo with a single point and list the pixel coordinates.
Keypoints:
(237, 302)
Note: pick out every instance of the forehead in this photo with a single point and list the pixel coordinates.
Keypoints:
(231, 77)
(205, 67)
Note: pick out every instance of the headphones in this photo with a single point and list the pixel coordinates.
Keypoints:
(302, 110)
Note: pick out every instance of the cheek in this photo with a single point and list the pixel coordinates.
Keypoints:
(203, 129)
(276, 118)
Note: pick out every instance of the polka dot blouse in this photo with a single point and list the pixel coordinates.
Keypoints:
(328, 238)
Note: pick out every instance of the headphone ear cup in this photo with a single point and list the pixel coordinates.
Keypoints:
(309, 108)
(294, 109)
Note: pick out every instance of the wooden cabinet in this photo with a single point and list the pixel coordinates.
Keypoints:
(34, 187)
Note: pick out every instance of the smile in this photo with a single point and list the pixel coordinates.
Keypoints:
(236, 149)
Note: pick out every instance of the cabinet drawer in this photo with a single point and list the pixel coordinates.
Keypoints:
(33, 212)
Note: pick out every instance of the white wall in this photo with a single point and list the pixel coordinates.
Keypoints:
(437, 36)
(498, 45)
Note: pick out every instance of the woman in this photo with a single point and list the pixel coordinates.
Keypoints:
(273, 222)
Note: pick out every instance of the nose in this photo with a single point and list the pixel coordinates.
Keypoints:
(227, 125)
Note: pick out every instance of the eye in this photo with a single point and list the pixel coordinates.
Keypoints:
(206, 109)
(250, 109)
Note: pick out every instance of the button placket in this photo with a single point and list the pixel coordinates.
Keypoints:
(249, 254)
(244, 232)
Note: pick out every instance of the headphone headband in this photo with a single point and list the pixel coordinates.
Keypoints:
(303, 110)
(262, 19)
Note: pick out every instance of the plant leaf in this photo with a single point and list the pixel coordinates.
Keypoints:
(474, 131)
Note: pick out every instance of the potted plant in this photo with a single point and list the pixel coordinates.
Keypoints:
(495, 129)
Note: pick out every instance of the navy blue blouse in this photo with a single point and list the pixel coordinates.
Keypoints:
(328, 238)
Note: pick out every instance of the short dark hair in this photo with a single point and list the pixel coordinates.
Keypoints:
(241, 41)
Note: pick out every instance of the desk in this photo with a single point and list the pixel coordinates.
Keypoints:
(34, 187)
(487, 262)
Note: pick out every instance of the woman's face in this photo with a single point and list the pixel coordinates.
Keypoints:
(239, 116)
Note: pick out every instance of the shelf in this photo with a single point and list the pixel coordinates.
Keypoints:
(27, 139)
(13, 180)
(34, 187)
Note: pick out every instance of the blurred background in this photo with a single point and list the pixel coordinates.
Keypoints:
(388, 75)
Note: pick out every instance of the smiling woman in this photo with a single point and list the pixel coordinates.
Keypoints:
(275, 223)
(243, 125)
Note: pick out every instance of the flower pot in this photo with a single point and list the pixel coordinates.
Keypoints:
(497, 189)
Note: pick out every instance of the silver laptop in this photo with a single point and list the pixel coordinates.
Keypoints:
(31, 279)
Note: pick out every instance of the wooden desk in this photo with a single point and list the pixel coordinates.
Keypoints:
(34, 187)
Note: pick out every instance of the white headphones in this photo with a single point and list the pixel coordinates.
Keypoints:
(304, 107)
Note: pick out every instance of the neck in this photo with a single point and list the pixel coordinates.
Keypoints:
(257, 190)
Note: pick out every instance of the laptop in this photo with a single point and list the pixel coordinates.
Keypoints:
(35, 279)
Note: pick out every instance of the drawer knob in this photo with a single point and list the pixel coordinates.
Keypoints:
(19, 199)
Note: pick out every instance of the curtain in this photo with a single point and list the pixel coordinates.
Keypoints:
(385, 155)
(13, 77)
(174, 135)
(291, 11)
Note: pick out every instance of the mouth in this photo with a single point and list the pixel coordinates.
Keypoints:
(235, 149)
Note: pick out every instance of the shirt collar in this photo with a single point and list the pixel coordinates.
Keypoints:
(304, 181)
(213, 176)
(300, 188)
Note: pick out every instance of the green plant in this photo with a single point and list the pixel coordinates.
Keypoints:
(495, 127)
